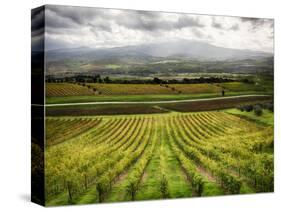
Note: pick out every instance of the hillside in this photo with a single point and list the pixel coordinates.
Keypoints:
(175, 57)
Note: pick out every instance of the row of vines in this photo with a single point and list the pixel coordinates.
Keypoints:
(214, 149)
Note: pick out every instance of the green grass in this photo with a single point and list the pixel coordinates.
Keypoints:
(239, 86)
(124, 98)
(164, 162)
(267, 116)
(139, 98)
(61, 199)
(211, 189)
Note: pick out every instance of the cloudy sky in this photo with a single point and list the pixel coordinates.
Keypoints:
(69, 27)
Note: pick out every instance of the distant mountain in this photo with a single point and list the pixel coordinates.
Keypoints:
(149, 60)
(180, 48)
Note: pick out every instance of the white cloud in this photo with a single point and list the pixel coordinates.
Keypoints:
(93, 27)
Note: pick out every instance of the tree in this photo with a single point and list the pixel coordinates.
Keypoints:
(107, 80)
(157, 80)
(269, 106)
(258, 110)
(248, 108)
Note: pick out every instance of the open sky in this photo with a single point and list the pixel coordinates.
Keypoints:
(70, 27)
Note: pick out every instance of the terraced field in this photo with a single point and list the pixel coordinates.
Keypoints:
(195, 88)
(97, 89)
(137, 157)
(63, 129)
(138, 89)
(57, 93)
(130, 89)
(66, 89)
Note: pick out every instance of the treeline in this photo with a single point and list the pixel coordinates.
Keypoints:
(257, 108)
(99, 79)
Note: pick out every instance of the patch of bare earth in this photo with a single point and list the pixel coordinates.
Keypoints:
(121, 177)
(144, 177)
(206, 174)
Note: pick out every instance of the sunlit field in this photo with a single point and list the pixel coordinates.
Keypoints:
(138, 157)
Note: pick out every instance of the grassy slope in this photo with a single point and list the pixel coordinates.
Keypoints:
(136, 98)
(266, 118)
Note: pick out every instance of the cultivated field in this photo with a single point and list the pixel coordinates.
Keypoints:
(98, 89)
(195, 88)
(60, 129)
(192, 106)
(123, 119)
(129, 89)
(136, 89)
(137, 157)
(66, 89)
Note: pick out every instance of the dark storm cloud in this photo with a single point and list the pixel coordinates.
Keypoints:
(37, 29)
(149, 21)
(76, 15)
(197, 33)
(71, 17)
(70, 27)
(37, 32)
(100, 27)
(216, 24)
(36, 11)
(37, 16)
(185, 21)
(235, 27)
(142, 21)
(37, 20)
(257, 22)
(68, 17)
(53, 20)
(146, 14)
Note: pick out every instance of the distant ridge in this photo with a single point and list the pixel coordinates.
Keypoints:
(179, 48)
